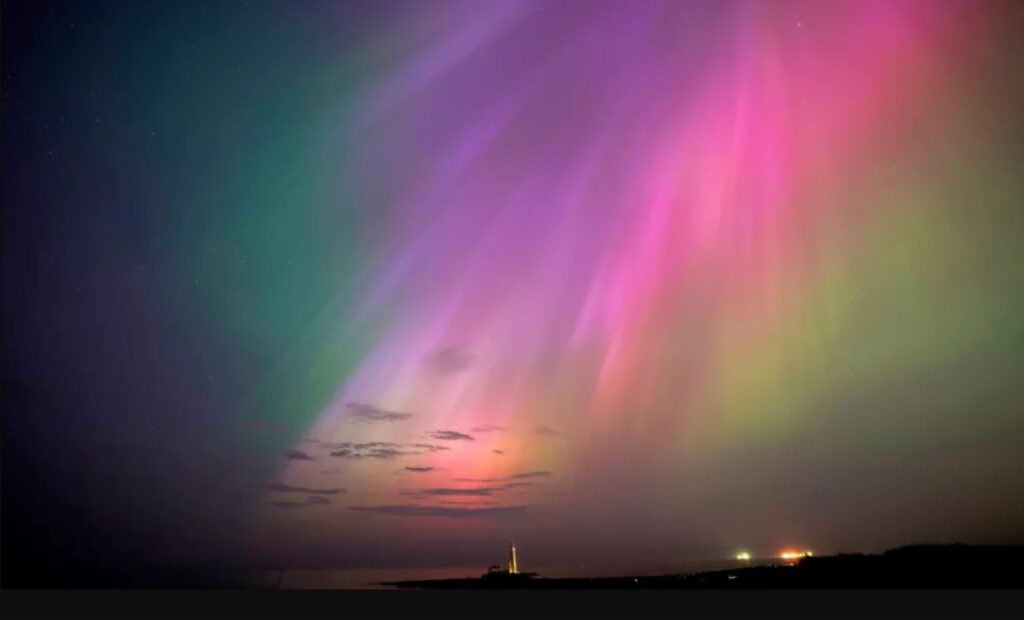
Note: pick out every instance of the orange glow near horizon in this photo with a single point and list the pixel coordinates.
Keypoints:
(791, 556)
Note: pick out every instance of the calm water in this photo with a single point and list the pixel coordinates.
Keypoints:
(361, 578)
(331, 579)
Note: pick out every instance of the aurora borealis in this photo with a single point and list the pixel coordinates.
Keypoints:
(389, 284)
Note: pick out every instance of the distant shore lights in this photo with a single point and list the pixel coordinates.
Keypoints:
(792, 556)
(743, 556)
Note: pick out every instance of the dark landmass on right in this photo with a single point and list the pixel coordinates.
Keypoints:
(911, 567)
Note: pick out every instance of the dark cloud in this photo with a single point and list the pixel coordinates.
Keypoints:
(451, 436)
(445, 511)
(380, 450)
(369, 413)
(419, 470)
(344, 445)
(522, 476)
(486, 491)
(530, 474)
(547, 431)
(486, 429)
(429, 447)
(297, 455)
(497, 451)
(383, 454)
(312, 500)
(287, 488)
(477, 492)
(449, 360)
(516, 485)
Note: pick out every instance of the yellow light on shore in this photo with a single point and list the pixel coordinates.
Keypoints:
(795, 555)
(743, 556)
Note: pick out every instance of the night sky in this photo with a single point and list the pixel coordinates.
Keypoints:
(390, 284)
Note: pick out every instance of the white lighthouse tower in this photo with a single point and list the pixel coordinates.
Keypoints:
(513, 567)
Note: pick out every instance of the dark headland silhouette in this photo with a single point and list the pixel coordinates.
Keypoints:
(916, 566)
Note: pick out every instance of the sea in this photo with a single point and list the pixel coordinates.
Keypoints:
(374, 578)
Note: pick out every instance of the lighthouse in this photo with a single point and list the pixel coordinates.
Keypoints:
(513, 567)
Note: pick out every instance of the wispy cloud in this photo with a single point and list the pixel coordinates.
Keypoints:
(497, 451)
(509, 486)
(297, 455)
(499, 512)
(476, 492)
(429, 447)
(419, 470)
(312, 500)
(369, 413)
(547, 431)
(486, 429)
(287, 488)
(362, 446)
(522, 476)
(530, 474)
(383, 454)
(451, 436)
(486, 491)
(379, 450)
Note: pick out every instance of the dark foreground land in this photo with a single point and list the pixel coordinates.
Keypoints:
(946, 566)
